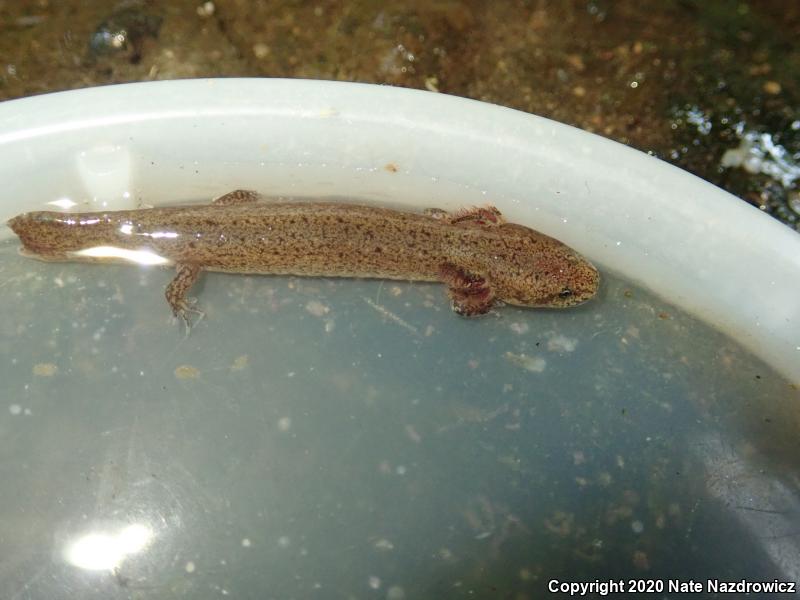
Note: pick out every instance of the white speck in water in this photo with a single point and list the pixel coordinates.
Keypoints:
(45, 369)
(190, 567)
(445, 554)
(15, 409)
(374, 582)
(637, 527)
(562, 343)
(412, 434)
(329, 325)
(246, 543)
(27, 412)
(395, 593)
(534, 364)
(284, 541)
(59, 282)
(400, 470)
(384, 544)
(317, 308)
(290, 374)
(284, 423)
(519, 328)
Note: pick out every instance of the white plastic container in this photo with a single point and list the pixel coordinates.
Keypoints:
(319, 438)
(155, 143)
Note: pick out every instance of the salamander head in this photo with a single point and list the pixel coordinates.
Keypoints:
(544, 272)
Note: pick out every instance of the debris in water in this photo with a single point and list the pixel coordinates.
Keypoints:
(534, 364)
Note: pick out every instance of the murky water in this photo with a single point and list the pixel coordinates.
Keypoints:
(320, 438)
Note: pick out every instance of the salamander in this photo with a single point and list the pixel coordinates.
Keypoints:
(483, 260)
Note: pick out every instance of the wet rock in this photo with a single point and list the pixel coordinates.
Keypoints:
(124, 32)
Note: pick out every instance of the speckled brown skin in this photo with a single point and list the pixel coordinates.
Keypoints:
(483, 260)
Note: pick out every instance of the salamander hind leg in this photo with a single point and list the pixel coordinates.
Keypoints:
(471, 294)
(176, 294)
(237, 197)
(483, 216)
(480, 216)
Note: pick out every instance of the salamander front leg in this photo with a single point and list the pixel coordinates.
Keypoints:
(176, 294)
(470, 293)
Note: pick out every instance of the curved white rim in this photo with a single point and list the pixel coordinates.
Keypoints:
(681, 237)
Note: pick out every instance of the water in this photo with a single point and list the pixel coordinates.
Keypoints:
(319, 438)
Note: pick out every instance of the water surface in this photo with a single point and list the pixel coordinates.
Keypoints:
(320, 438)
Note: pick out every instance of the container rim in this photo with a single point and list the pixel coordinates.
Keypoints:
(686, 240)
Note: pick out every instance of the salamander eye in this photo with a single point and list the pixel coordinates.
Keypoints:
(565, 293)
